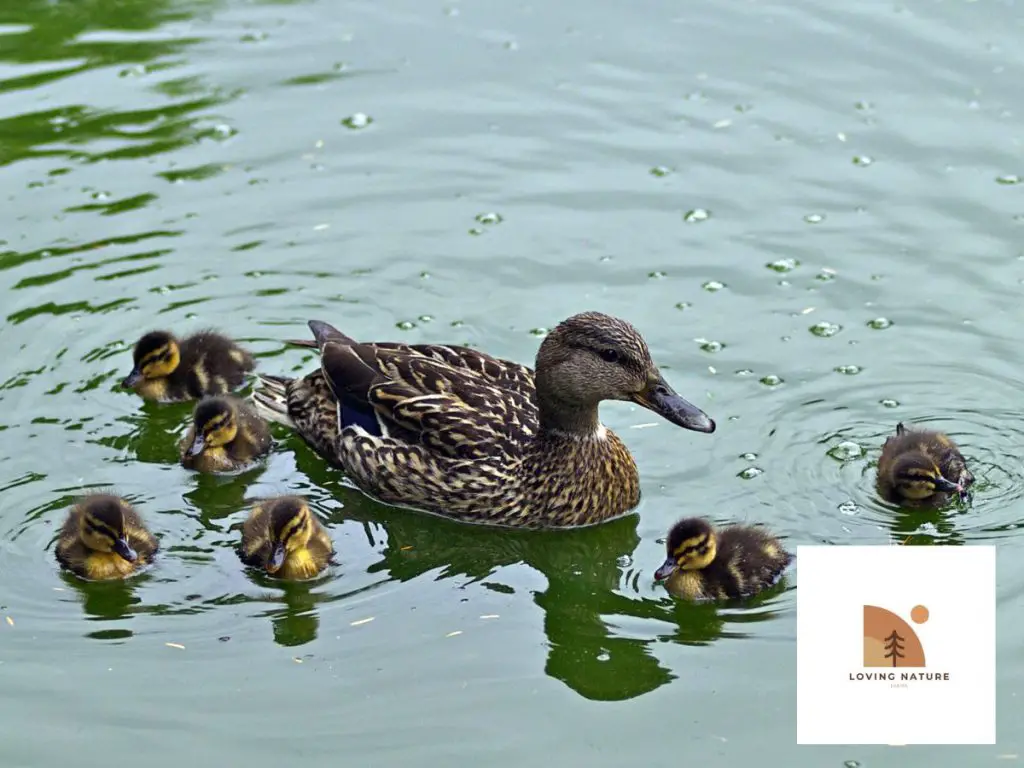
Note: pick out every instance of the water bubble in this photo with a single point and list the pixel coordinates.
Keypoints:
(426, 318)
(475, 231)
(603, 656)
(696, 215)
(253, 37)
(849, 508)
(851, 764)
(357, 121)
(657, 274)
(710, 346)
(1010, 178)
(826, 275)
(405, 325)
(624, 561)
(783, 265)
(846, 451)
(825, 329)
(814, 218)
(744, 372)
(660, 171)
(748, 456)
(888, 402)
(863, 106)
(849, 370)
(683, 305)
(750, 473)
(539, 331)
(457, 323)
(771, 380)
(879, 323)
(863, 160)
(489, 218)
(713, 285)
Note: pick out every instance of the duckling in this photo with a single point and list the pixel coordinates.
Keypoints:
(104, 538)
(735, 562)
(283, 537)
(922, 468)
(226, 435)
(171, 370)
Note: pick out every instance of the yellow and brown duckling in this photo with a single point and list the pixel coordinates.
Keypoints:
(104, 538)
(226, 435)
(283, 537)
(922, 468)
(169, 369)
(727, 564)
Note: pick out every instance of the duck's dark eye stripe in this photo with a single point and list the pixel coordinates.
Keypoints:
(100, 528)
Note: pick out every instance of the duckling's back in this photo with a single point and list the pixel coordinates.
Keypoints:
(212, 364)
(749, 560)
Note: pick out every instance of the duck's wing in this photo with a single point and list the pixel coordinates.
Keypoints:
(456, 402)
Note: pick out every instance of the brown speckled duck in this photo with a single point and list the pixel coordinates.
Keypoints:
(167, 369)
(922, 468)
(458, 433)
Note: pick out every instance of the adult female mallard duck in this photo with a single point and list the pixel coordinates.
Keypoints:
(171, 370)
(732, 563)
(226, 435)
(458, 433)
(104, 538)
(922, 468)
(283, 537)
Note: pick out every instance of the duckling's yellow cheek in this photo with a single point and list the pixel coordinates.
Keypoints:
(102, 566)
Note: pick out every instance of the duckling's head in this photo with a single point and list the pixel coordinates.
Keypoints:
(592, 357)
(216, 424)
(101, 526)
(290, 528)
(916, 477)
(155, 356)
(691, 546)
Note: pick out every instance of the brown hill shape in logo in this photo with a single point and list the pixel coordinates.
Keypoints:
(889, 641)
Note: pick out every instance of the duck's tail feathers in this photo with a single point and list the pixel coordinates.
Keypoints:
(271, 399)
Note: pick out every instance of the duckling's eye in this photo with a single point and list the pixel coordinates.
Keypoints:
(610, 355)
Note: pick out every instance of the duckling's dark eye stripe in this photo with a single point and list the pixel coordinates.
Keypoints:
(293, 526)
(164, 353)
(100, 528)
(216, 422)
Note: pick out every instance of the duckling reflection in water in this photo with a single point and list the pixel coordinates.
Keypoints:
(171, 370)
(226, 435)
(731, 563)
(104, 538)
(283, 537)
(922, 468)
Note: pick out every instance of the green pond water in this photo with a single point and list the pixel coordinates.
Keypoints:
(811, 211)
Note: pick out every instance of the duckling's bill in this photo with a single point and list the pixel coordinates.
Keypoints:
(276, 558)
(124, 550)
(198, 443)
(665, 570)
(661, 399)
(132, 379)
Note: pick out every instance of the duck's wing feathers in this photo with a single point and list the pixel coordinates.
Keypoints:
(459, 411)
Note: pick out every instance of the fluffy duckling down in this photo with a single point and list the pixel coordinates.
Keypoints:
(283, 537)
(922, 468)
(726, 564)
(226, 435)
(169, 369)
(104, 538)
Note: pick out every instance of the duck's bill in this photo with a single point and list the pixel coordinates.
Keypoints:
(276, 559)
(947, 486)
(665, 570)
(660, 398)
(125, 551)
(198, 443)
(132, 379)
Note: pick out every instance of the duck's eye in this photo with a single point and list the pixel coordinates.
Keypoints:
(610, 355)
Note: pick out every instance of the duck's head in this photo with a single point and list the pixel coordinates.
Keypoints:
(216, 424)
(156, 355)
(593, 357)
(916, 476)
(291, 526)
(101, 526)
(691, 546)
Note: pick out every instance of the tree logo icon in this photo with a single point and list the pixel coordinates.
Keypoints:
(889, 641)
